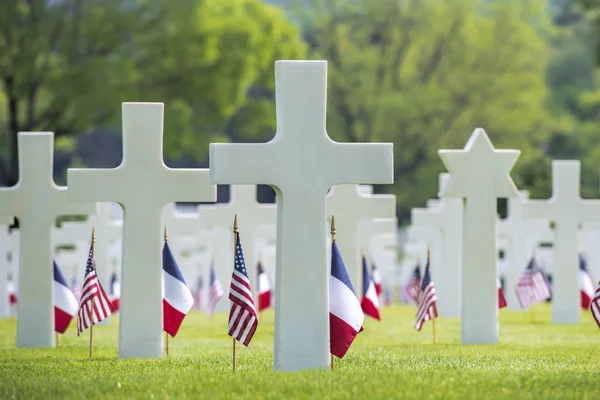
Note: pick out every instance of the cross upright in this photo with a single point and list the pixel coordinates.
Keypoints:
(351, 207)
(4, 246)
(523, 236)
(568, 211)
(447, 217)
(301, 162)
(251, 215)
(375, 227)
(36, 200)
(142, 184)
(480, 174)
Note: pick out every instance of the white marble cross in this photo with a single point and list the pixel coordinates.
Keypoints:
(36, 200)
(301, 163)
(143, 185)
(523, 236)
(374, 227)
(568, 211)
(350, 208)
(447, 217)
(589, 240)
(4, 246)
(251, 215)
(480, 174)
(108, 230)
(432, 238)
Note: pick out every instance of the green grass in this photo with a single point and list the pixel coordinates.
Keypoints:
(388, 360)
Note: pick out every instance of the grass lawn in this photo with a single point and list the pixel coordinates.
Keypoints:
(389, 360)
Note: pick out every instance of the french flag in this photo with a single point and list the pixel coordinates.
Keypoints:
(65, 303)
(369, 302)
(377, 280)
(501, 298)
(345, 314)
(115, 292)
(177, 297)
(586, 286)
(264, 289)
(12, 293)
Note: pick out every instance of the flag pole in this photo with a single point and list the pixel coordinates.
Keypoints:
(332, 239)
(56, 334)
(235, 239)
(532, 312)
(92, 322)
(166, 235)
(433, 319)
(212, 264)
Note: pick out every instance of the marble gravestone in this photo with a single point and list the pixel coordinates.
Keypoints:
(568, 211)
(431, 239)
(350, 208)
(5, 222)
(302, 163)
(480, 174)
(220, 241)
(368, 229)
(589, 240)
(447, 217)
(384, 253)
(142, 184)
(251, 215)
(37, 201)
(523, 237)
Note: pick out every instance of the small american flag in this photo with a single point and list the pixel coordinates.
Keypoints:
(532, 287)
(242, 315)
(410, 291)
(426, 307)
(94, 304)
(215, 292)
(595, 306)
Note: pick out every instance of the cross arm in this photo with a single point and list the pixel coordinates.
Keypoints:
(426, 217)
(215, 215)
(539, 209)
(188, 185)
(90, 185)
(379, 206)
(244, 163)
(364, 162)
(589, 211)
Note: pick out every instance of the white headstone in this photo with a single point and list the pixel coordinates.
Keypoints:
(447, 217)
(589, 240)
(251, 215)
(350, 208)
(4, 247)
(301, 163)
(142, 185)
(220, 241)
(568, 211)
(368, 229)
(523, 237)
(36, 200)
(433, 239)
(480, 174)
(384, 248)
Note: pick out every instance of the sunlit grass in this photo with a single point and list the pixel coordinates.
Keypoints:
(388, 360)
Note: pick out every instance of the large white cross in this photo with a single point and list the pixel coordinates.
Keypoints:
(301, 163)
(251, 215)
(350, 208)
(523, 236)
(480, 174)
(36, 200)
(4, 246)
(143, 185)
(447, 217)
(568, 210)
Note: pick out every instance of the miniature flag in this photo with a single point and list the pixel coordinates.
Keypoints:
(376, 279)
(198, 294)
(12, 293)
(94, 304)
(595, 306)
(115, 292)
(242, 314)
(215, 291)
(410, 292)
(177, 297)
(65, 303)
(501, 298)
(586, 286)
(427, 302)
(345, 314)
(75, 288)
(264, 289)
(387, 297)
(532, 287)
(369, 302)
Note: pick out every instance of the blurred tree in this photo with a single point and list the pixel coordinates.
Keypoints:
(423, 74)
(66, 65)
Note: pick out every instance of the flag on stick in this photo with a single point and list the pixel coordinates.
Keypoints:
(376, 276)
(12, 293)
(264, 289)
(370, 300)
(115, 292)
(501, 298)
(595, 306)
(412, 288)
(243, 320)
(586, 286)
(198, 294)
(427, 301)
(65, 303)
(215, 292)
(533, 287)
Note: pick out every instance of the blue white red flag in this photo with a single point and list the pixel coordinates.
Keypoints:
(370, 300)
(177, 297)
(12, 293)
(115, 292)
(215, 291)
(345, 314)
(65, 303)
(264, 289)
(501, 298)
(586, 286)
(376, 276)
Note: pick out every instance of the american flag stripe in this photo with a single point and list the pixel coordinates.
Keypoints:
(532, 288)
(595, 306)
(427, 301)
